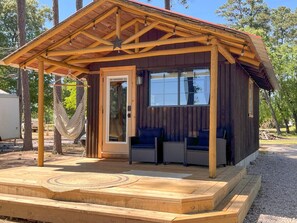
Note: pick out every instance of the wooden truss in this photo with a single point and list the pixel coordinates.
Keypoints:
(231, 47)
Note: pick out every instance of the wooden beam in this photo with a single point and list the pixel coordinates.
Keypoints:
(168, 30)
(96, 38)
(167, 18)
(136, 30)
(250, 61)
(73, 35)
(239, 52)
(141, 32)
(108, 36)
(64, 65)
(166, 36)
(118, 24)
(196, 49)
(213, 111)
(127, 46)
(52, 32)
(226, 54)
(40, 113)
(128, 51)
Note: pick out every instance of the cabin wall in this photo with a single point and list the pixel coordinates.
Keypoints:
(179, 122)
(245, 129)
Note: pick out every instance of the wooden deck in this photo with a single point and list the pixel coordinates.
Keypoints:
(81, 190)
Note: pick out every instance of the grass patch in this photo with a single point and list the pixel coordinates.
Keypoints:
(284, 139)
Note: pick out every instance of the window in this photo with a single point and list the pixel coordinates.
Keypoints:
(251, 98)
(164, 89)
(180, 88)
(195, 87)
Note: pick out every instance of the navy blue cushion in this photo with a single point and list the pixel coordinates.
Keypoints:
(203, 134)
(220, 133)
(150, 132)
(143, 146)
(146, 140)
(201, 148)
(192, 141)
(203, 142)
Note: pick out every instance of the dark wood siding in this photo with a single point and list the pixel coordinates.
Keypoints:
(93, 116)
(181, 121)
(245, 130)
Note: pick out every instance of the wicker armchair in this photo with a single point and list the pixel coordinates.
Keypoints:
(196, 149)
(147, 147)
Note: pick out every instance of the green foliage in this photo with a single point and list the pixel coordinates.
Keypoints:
(69, 95)
(278, 28)
(36, 17)
(246, 13)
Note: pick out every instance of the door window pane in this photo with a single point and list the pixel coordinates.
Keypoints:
(117, 110)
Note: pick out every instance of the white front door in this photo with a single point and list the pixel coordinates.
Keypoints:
(117, 112)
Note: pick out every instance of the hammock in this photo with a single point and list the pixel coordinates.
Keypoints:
(69, 128)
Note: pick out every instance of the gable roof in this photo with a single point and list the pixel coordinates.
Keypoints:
(62, 47)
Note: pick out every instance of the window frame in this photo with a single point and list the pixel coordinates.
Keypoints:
(179, 72)
(250, 98)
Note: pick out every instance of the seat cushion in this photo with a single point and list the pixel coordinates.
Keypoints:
(205, 133)
(203, 141)
(143, 146)
(197, 147)
(220, 133)
(150, 132)
(146, 140)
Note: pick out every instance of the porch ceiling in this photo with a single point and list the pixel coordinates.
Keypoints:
(89, 35)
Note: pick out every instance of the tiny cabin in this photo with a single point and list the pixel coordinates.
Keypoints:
(152, 68)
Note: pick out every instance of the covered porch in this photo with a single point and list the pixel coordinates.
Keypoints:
(98, 40)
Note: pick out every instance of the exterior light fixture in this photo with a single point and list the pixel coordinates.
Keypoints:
(139, 79)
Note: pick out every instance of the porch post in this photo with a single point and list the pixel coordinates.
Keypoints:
(40, 113)
(213, 111)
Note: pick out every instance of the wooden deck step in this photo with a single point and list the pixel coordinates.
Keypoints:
(242, 197)
(177, 196)
(233, 208)
(48, 210)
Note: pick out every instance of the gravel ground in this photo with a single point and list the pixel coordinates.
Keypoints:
(277, 199)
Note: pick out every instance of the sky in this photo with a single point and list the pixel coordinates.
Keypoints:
(201, 9)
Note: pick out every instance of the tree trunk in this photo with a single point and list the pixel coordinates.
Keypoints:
(21, 7)
(79, 4)
(57, 149)
(295, 120)
(79, 90)
(286, 121)
(167, 4)
(272, 112)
